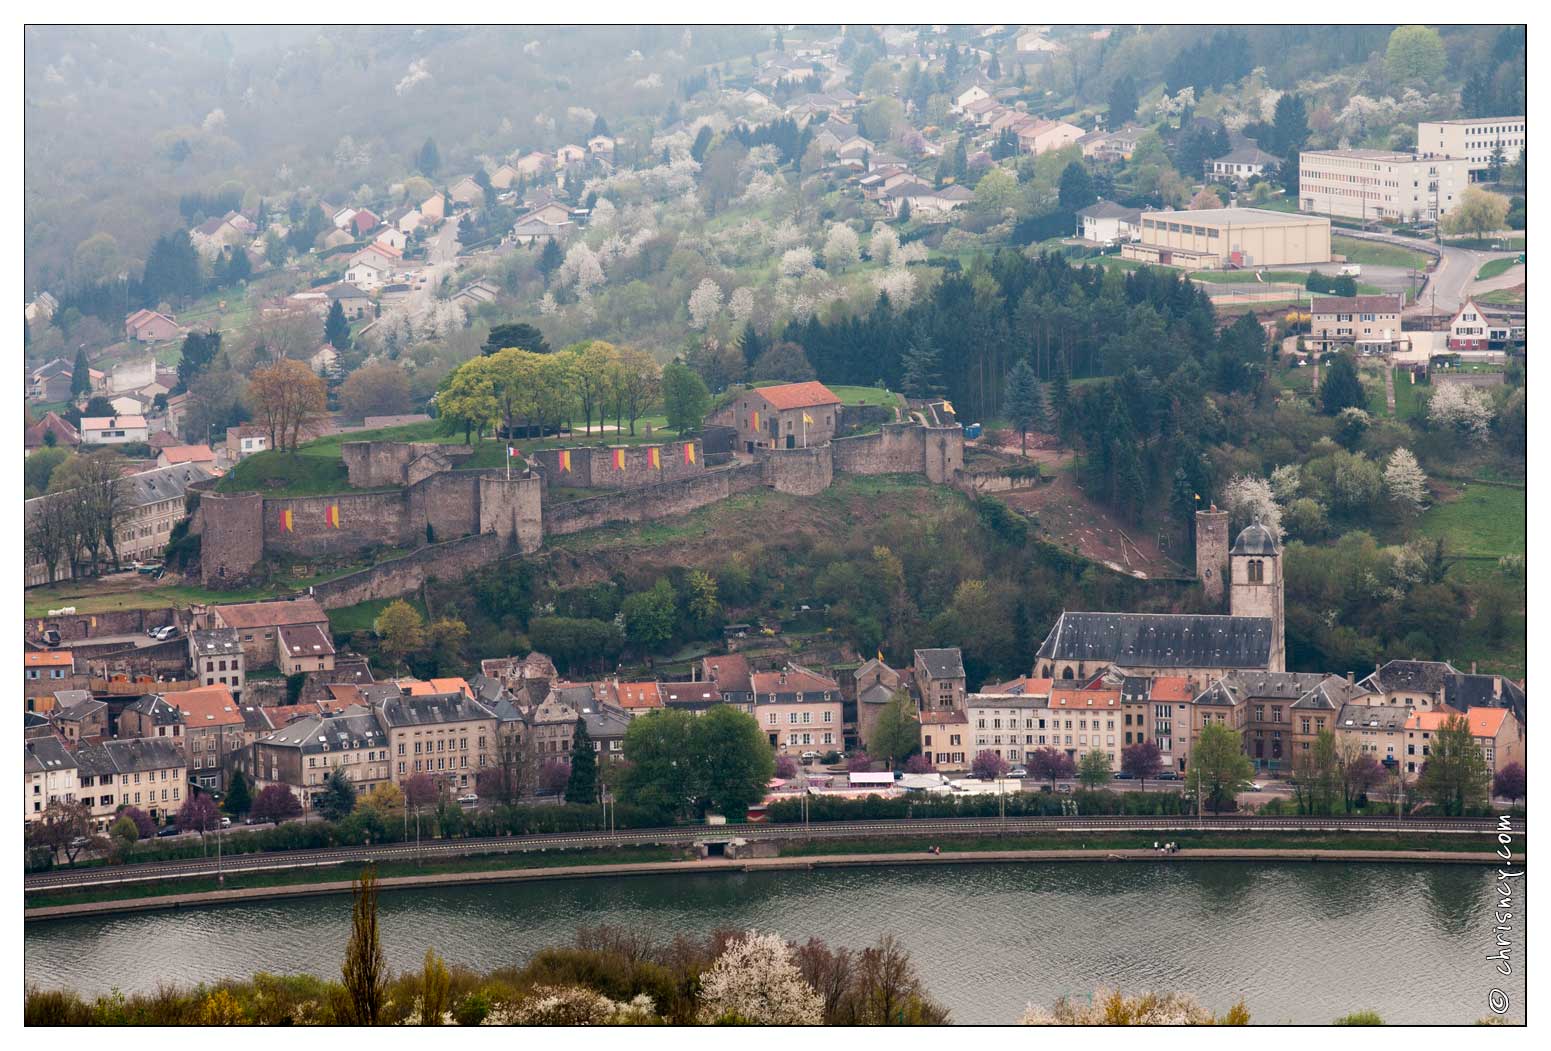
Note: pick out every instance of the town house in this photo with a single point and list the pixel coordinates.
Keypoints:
(799, 710)
(939, 678)
(49, 775)
(945, 738)
(149, 774)
(257, 625)
(450, 736)
(304, 754)
(212, 733)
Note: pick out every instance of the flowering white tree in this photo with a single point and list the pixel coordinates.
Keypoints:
(1467, 410)
(898, 283)
(914, 252)
(741, 304)
(842, 249)
(1404, 479)
(572, 1005)
(705, 302)
(1247, 497)
(1285, 481)
(756, 981)
(884, 244)
(795, 262)
(581, 268)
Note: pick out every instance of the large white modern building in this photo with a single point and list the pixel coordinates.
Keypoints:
(1379, 184)
(1219, 238)
(1474, 140)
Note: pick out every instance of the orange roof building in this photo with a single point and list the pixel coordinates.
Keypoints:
(207, 706)
(638, 696)
(806, 395)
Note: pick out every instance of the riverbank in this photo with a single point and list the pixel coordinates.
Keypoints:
(794, 861)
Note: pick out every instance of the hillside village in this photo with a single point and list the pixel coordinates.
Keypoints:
(919, 258)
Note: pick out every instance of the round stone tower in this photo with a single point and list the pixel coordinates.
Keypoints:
(1212, 553)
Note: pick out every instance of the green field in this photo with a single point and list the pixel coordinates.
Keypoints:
(1508, 297)
(1378, 253)
(1483, 521)
(363, 615)
(1408, 395)
(96, 596)
(1493, 267)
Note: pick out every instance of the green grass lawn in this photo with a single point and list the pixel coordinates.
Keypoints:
(1508, 297)
(1408, 395)
(363, 615)
(1378, 253)
(1493, 267)
(93, 596)
(276, 473)
(1484, 520)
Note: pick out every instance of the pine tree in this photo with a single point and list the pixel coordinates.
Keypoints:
(428, 159)
(1024, 403)
(336, 330)
(239, 799)
(80, 376)
(1122, 101)
(904, 209)
(582, 788)
(550, 259)
(994, 70)
(1076, 190)
(337, 799)
(922, 364)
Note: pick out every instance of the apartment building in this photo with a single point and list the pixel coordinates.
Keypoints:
(945, 739)
(49, 775)
(940, 679)
(1373, 729)
(450, 736)
(212, 733)
(1086, 719)
(799, 710)
(1474, 139)
(1379, 184)
(217, 659)
(1009, 725)
(303, 755)
(151, 774)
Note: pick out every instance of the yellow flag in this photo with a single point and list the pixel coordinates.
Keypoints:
(946, 404)
(807, 419)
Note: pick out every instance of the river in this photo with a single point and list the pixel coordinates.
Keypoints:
(1297, 942)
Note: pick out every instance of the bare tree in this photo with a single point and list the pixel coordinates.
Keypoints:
(287, 397)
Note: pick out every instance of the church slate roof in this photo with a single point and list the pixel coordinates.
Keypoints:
(1160, 640)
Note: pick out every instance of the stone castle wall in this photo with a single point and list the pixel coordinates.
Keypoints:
(592, 467)
(497, 515)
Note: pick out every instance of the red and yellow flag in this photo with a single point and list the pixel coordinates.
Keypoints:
(689, 452)
(654, 457)
(619, 459)
(331, 516)
(288, 521)
(755, 425)
(565, 461)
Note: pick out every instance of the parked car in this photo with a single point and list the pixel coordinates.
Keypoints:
(1018, 771)
(162, 634)
(809, 757)
(226, 822)
(167, 830)
(1168, 775)
(468, 800)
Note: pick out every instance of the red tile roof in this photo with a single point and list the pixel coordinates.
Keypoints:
(177, 454)
(49, 659)
(939, 718)
(1171, 688)
(271, 614)
(798, 395)
(208, 706)
(1082, 698)
(1486, 722)
(639, 695)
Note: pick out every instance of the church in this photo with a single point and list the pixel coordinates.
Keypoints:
(1200, 647)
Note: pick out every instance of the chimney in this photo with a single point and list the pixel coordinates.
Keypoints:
(1472, 667)
(1351, 676)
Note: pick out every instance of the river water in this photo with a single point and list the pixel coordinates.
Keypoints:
(1297, 942)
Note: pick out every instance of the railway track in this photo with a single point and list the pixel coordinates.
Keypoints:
(687, 835)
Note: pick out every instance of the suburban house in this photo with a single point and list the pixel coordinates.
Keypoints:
(799, 710)
(147, 326)
(244, 440)
(113, 430)
(64, 435)
(1108, 223)
(1241, 164)
(531, 163)
(1476, 328)
(570, 153)
(786, 416)
(1369, 323)
(258, 624)
(466, 191)
(1045, 135)
(433, 209)
(1110, 146)
(178, 455)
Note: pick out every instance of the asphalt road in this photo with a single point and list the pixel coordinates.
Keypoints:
(687, 835)
(1449, 284)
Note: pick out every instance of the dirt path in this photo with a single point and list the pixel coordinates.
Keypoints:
(1389, 388)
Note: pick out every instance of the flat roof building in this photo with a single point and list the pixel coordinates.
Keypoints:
(1379, 184)
(1222, 238)
(1475, 139)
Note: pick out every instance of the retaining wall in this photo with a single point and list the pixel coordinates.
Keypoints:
(402, 575)
(652, 502)
(805, 472)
